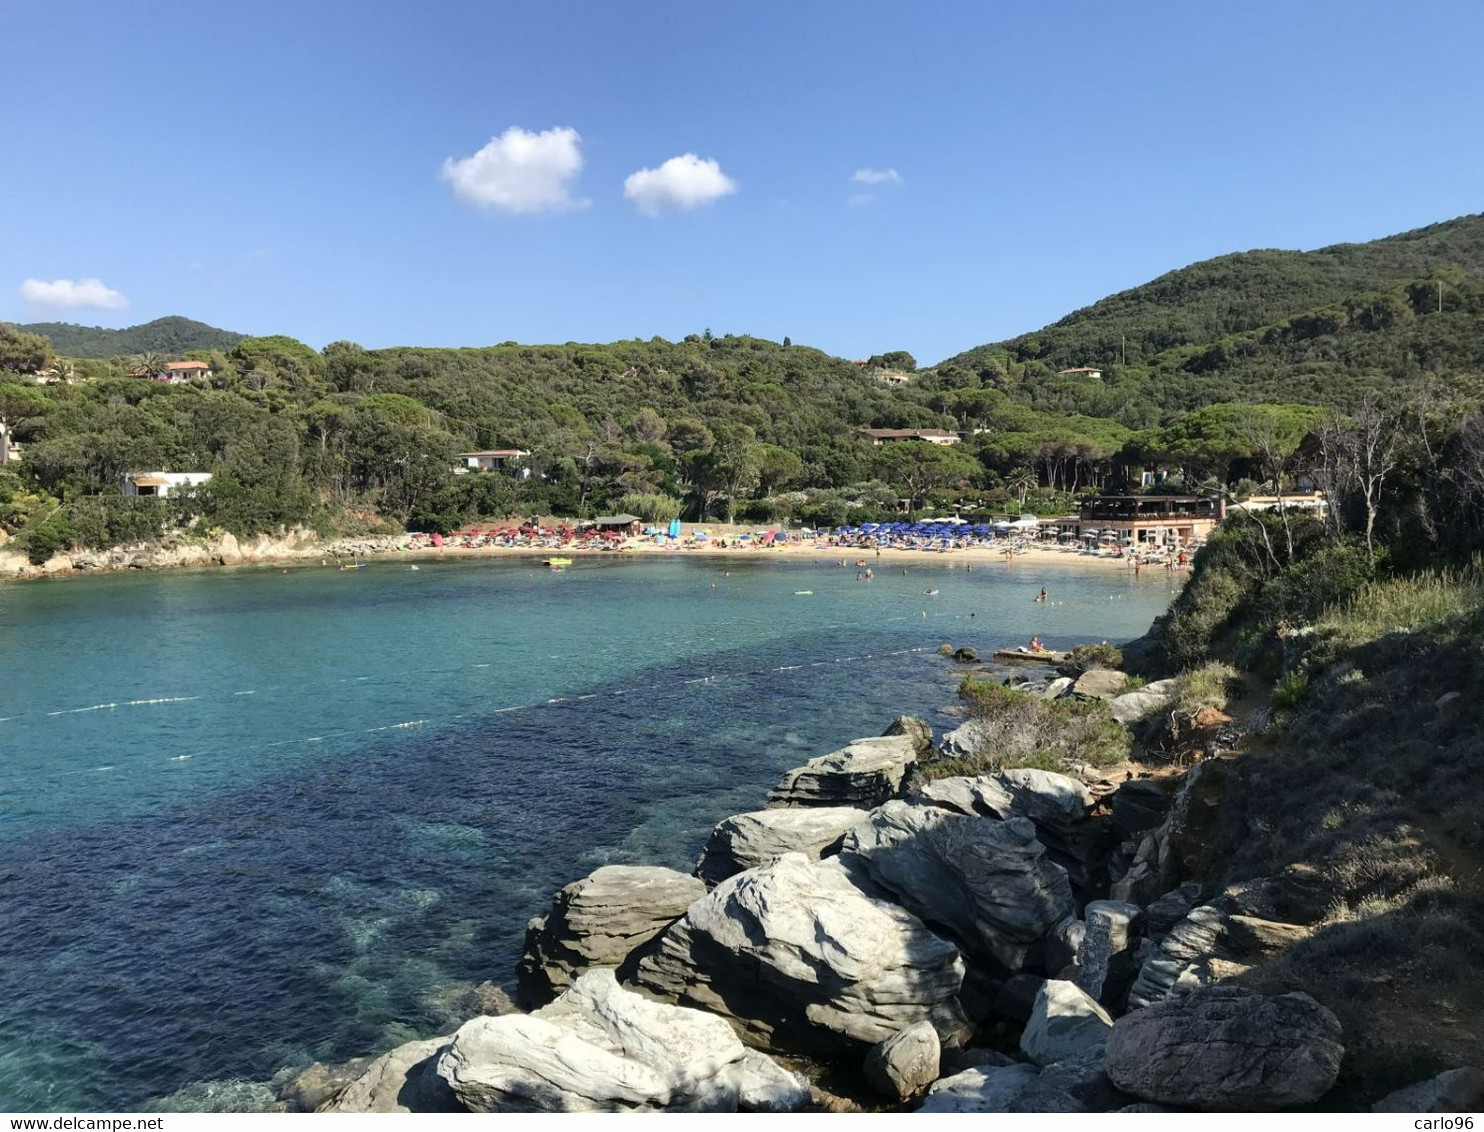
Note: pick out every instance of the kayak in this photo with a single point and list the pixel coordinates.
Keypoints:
(557, 562)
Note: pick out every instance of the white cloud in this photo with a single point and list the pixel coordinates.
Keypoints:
(876, 177)
(520, 171)
(681, 183)
(73, 293)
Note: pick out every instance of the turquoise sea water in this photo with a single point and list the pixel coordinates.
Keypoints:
(252, 818)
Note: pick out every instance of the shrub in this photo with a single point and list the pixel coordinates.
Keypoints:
(1290, 693)
(1021, 729)
(49, 539)
(1096, 656)
(1206, 687)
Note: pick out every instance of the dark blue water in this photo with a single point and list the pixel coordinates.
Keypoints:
(253, 819)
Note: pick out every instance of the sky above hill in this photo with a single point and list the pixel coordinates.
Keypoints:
(861, 176)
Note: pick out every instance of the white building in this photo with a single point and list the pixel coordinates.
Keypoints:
(176, 372)
(162, 484)
(495, 460)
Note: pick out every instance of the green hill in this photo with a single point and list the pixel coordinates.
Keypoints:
(1315, 326)
(170, 335)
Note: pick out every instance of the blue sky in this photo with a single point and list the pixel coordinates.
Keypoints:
(304, 168)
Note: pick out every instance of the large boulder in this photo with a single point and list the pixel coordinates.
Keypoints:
(968, 740)
(1008, 1088)
(1041, 795)
(597, 1048)
(1458, 1090)
(403, 1080)
(1141, 804)
(920, 731)
(1066, 1023)
(1099, 684)
(1227, 1048)
(863, 774)
(801, 959)
(989, 883)
(1058, 804)
(599, 921)
(1130, 707)
(745, 841)
(1183, 961)
(906, 1063)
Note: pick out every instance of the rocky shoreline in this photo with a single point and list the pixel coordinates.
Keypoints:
(878, 937)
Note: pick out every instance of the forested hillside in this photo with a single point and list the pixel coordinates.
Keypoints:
(170, 335)
(1320, 327)
(1234, 366)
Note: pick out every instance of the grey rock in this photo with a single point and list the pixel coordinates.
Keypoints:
(1064, 944)
(987, 882)
(1182, 962)
(1130, 707)
(1066, 1023)
(1008, 1089)
(599, 921)
(745, 841)
(765, 1086)
(403, 1080)
(1047, 798)
(966, 655)
(1105, 957)
(1099, 683)
(800, 958)
(1457, 1090)
(1227, 1048)
(1058, 804)
(920, 731)
(863, 774)
(968, 740)
(597, 1048)
(1164, 913)
(1057, 688)
(1141, 804)
(906, 1063)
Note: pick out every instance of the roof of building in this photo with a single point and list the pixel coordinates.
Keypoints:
(149, 481)
(905, 433)
(507, 453)
(616, 520)
(187, 365)
(1081, 369)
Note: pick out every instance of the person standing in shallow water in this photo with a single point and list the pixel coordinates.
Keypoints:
(1041, 597)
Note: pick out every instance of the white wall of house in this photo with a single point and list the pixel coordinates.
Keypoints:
(174, 481)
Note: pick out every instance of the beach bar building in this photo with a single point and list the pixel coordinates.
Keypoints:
(1159, 519)
(616, 524)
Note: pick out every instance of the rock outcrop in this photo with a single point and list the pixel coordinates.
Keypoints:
(599, 1048)
(802, 959)
(906, 1063)
(403, 1080)
(745, 841)
(988, 883)
(1058, 804)
(1099, 684)
(1227, 1048)
(599, 921)
(1457, 1090)
(1066, 1023)
(1009, 1088)
(863, 774)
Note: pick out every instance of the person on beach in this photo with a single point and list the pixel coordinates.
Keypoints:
(1036, 645)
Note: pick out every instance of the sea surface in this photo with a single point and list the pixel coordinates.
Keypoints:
(254, 818)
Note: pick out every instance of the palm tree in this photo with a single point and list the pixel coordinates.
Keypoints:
(1022, 481)
(146, 364)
